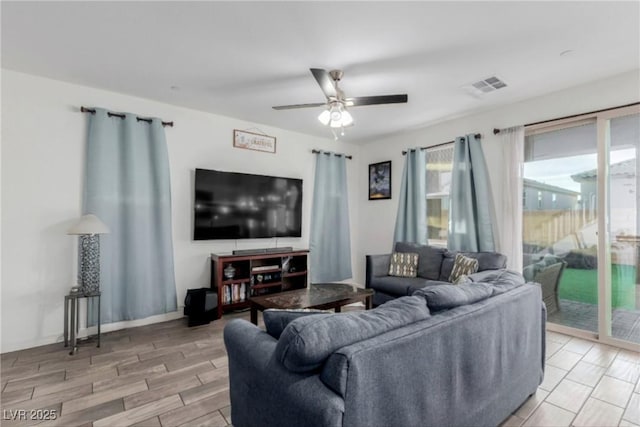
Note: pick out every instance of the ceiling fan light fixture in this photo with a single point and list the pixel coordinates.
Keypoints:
(336, 113)
(325, 117)
(347, 119)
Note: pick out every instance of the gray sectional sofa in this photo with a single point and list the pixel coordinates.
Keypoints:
(434, 267)
(450, 355)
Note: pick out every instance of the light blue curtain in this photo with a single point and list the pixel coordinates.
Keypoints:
(471, 211)
(330, 241)
(128, 187)
(411, 220)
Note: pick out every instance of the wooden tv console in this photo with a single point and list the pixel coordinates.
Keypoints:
(257, 274)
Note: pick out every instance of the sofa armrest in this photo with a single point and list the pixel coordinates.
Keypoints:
(377, 266)
(259, 384)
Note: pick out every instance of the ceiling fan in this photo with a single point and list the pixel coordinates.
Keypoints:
(336, 115)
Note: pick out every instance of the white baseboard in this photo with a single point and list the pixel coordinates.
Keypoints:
(84, 332)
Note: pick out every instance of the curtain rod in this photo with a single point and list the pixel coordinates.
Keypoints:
(122, 116)
(477, 135)
(497, 131)
(314, 151)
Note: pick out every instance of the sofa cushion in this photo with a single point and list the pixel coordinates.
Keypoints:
(308, 341)
(449, 296)
(498, 276)
(447, 265)
(462, 266)
(403, 264)
(429, 258)
(486, 261)
(275, 320)
(400, 286)
(397, 286)
(414, 287)
(501, 280)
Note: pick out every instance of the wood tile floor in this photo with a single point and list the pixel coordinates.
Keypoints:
(165, 374)
(170, 375)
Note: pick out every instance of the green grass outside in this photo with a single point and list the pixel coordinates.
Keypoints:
(582, 285)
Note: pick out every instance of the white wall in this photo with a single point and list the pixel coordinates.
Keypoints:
(43, 138)
(377, 218)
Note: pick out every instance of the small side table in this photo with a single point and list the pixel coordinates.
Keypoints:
(71, 306)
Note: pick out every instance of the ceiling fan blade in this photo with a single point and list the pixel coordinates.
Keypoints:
(291, 107)
(374, 100)
(325, 81)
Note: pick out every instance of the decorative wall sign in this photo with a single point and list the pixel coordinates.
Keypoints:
(380, 180)
(254, 141)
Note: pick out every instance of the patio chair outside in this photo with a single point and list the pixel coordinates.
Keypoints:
(549, 278)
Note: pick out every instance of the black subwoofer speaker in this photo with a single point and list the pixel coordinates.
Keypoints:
(201, 305)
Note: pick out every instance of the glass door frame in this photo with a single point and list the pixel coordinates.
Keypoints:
(603, 124)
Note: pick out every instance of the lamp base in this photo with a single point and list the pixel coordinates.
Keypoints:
(89, 271)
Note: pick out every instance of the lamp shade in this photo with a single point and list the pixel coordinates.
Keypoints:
(347, 119)
(324, 117)
(89, 224)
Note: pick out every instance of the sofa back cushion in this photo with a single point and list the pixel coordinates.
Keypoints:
(486, 261)
(308, 341)
(429, 258)
(498, 277)
(444, 297)
(275, 320)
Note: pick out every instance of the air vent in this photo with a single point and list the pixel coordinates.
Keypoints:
(484, 86)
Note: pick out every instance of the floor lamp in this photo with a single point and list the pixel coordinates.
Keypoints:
(89, 228)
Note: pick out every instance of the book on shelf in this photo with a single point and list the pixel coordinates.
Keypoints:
(264, 268)
(236, 292)
(226, 297)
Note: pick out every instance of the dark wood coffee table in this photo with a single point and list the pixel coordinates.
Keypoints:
(322, 296)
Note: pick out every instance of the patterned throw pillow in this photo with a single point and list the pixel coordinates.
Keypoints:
(403, 264)
(463, 266)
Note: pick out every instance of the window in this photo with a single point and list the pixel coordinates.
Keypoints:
(539, 199)
(439, 168)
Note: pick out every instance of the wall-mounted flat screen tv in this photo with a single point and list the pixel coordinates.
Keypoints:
(230, 205)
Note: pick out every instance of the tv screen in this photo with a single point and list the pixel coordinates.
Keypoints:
(231, 205)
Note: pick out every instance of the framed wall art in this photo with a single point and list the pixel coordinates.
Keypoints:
(380, 181)
(254, 141)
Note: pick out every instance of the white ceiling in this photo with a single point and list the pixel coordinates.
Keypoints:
(240, 58)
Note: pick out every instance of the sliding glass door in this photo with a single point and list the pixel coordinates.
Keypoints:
(581, 225)
(560, 222)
